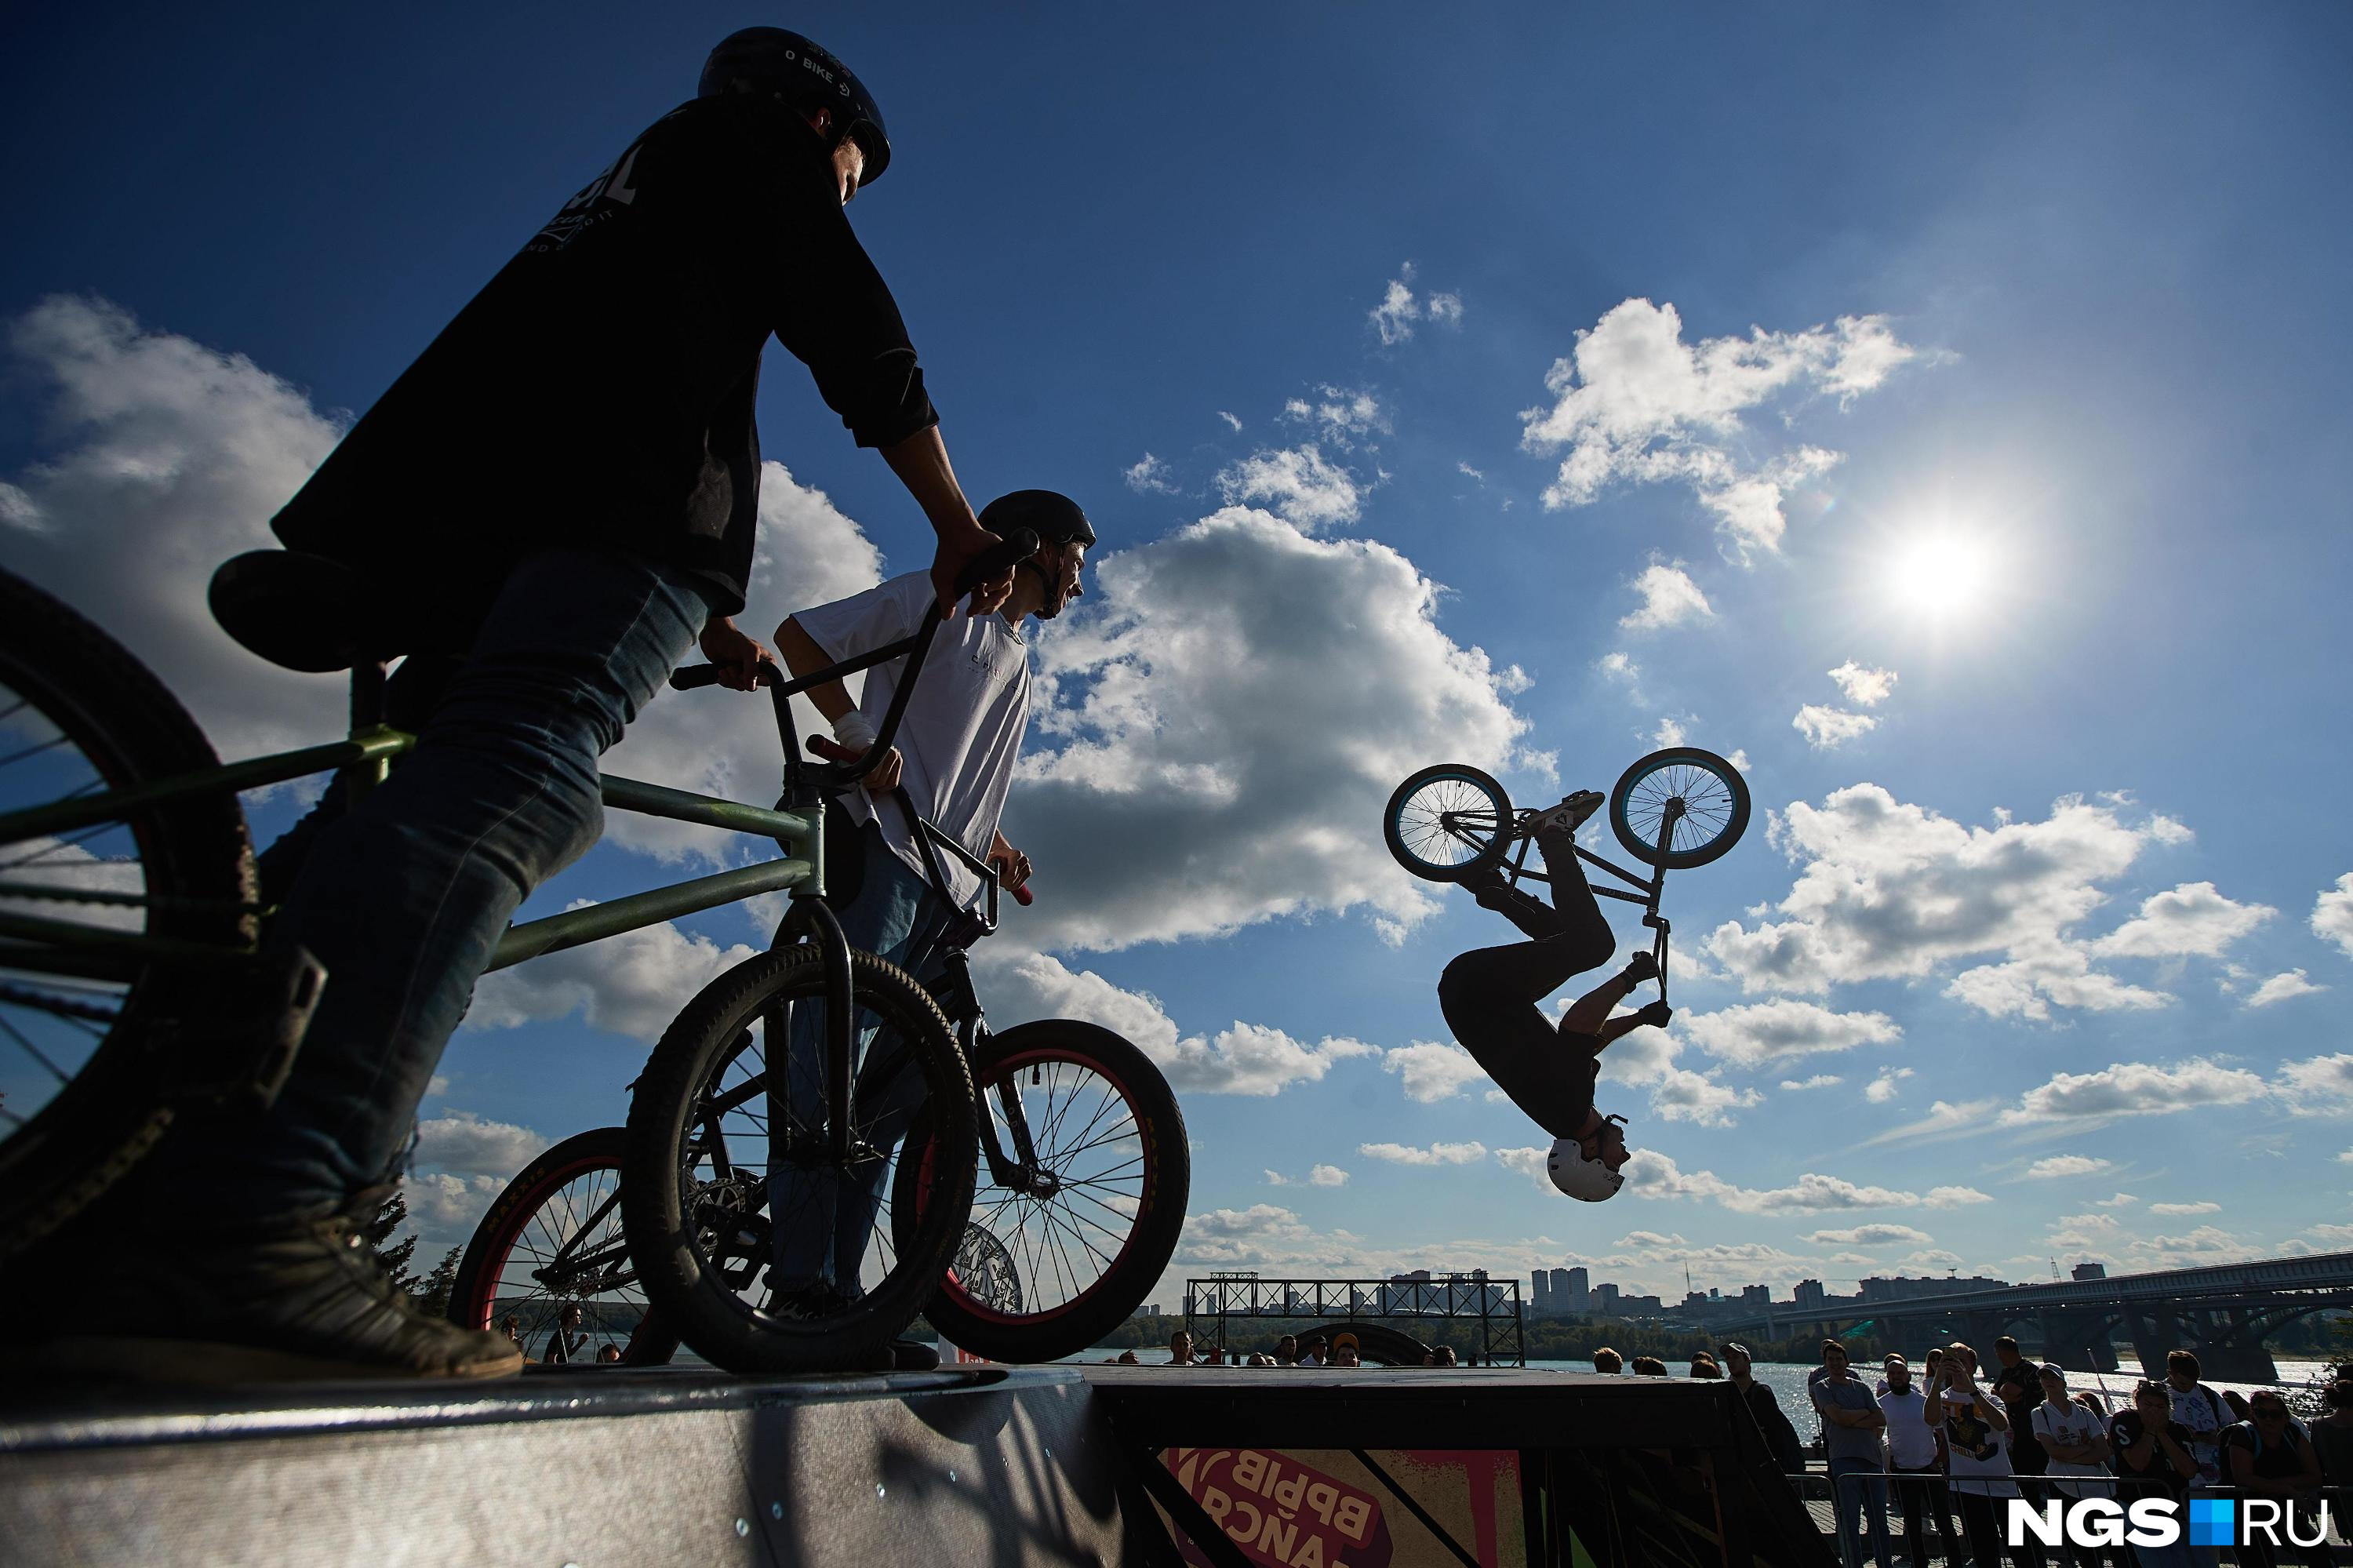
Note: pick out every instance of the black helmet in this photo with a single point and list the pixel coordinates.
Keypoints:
(1053, 516)
(809, 78)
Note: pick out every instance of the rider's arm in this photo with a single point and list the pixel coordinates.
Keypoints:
(804, 657)
(921, 461)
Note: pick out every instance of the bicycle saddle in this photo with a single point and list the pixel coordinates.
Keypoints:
(298, 611)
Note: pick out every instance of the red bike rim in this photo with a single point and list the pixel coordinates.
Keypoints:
(1012, 1064)
(486, 1284)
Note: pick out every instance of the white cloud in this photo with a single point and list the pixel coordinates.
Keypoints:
(1864, 687)
(464, 1143)
(1826, 729)
(1233, 420)
(2185, 1208)
(2132, 1088)
(2120, 1200)
(1149, 476)
(1955, 1197)
(1246, 1059)
(1883, 1088)
(1670, 598)
(1298, 485)
(1617, 666)
(1944, 1119)
(1755, 1034)
(1176, 785)
(1531, 1163)
(632, 984)
(1394, 317)
(2322, 1085)
(2283, 987)
(2066, 1165)
(1433, 1071)
(2332, 915)
(2193, 918)
(1647, 1057)
(170, 458)
(1635, 404)
(1651, 1174)
(1670, 733)
(1436, 1154)
(1342, 414)
(1892, 891)
(1869, 1236)
(1819, 1081)
(444, 1208)
(1327, 1176)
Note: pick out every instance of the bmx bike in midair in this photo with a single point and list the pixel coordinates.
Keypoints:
(1673, 809)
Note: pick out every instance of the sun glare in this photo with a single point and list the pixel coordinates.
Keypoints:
(1938, 574)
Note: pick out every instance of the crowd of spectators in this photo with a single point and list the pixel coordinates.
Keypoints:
(1960, 1440)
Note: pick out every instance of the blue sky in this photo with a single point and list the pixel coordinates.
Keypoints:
(2005, 355)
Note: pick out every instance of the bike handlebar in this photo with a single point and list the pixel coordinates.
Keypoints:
(832, 750)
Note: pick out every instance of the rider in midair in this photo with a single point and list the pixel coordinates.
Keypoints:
(1492, 998)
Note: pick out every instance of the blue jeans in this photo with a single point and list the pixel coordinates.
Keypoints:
(822, 1221)
(404, 900)
(1854, 1501)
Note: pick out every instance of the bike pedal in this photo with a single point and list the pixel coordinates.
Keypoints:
(239, 1061)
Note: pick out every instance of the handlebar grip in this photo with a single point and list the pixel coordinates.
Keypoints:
(997, 560)
(691, 676)
(1023, 896)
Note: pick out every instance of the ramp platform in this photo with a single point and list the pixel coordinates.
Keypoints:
(1215, 1467)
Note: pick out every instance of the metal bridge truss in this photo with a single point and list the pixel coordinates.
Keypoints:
(1493, 1304)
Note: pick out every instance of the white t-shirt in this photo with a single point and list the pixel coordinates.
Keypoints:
(963, 727)
(2196, 1410)
(1911, 1441)
(2071, 1424)
(1977, 1456)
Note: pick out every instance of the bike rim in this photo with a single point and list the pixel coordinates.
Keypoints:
(1448, 821)
(1709, 806)
(1054, 1245)
(725, 1149)
(582, 1195)
(52, 1025)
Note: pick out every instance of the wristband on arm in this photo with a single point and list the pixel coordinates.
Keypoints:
(854, 730)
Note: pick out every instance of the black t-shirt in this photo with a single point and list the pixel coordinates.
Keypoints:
(2127, 1430)
(2027, 1455)
(600, 387)
(2280, 1461)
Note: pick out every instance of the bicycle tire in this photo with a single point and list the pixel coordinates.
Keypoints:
(197, 863)
(667, 1209)
(1719, 814)
(1451, 787)
(1052, 1330)
(488, 1267)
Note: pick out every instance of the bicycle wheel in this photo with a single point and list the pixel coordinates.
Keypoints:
(694, 1196)
(1716, 807)
(1053, 1265)
(1448, 822)
(553, 1240)
(85, 1036)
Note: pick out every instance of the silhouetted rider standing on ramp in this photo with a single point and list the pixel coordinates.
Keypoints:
(566, 485)
(1490, 997)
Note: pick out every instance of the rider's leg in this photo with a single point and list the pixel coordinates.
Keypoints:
(403, 901)
(1572, 896)
(886, 918)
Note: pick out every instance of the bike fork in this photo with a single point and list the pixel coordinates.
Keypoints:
(840, 1025)
(1668, 817)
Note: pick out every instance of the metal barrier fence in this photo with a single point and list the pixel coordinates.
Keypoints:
(1904, 1495)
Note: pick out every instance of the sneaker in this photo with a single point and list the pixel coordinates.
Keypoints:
(1570, 815)
(307, 1302)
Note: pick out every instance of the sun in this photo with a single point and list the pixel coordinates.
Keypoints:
(1941, 575)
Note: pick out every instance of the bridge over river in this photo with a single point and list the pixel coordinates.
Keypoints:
(2225, 1313)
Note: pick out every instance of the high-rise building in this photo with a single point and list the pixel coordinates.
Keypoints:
(1605, 1299)
(1808, 1293)
(1540, 1291)
(1568, 1291)
(1756, 1296)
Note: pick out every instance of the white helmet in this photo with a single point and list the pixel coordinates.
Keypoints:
(1590, 1180)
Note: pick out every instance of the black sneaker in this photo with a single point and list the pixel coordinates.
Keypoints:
(306, 1303)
